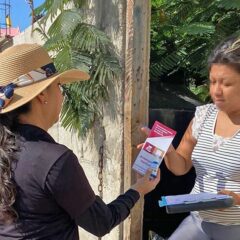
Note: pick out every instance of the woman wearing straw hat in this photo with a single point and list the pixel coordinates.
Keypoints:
(44, 193)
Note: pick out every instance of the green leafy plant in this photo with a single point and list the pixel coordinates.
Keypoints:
(183, 33)
(77, 44)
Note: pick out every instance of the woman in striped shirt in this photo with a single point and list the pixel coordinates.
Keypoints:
(211, 144)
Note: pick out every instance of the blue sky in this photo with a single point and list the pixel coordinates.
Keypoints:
(20, 12)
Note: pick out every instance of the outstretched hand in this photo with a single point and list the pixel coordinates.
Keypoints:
(145, 184)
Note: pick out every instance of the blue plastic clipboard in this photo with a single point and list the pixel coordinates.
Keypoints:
(195, 202)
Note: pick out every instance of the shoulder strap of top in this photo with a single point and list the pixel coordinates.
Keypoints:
(201, 114)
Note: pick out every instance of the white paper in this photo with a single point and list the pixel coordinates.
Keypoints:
(193, 198)
(154, 148)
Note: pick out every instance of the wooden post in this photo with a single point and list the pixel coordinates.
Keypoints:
(136, 93)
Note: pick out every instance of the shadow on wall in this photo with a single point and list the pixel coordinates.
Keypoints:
(174, 106)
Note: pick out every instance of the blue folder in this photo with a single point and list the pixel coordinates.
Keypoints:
(195, 202)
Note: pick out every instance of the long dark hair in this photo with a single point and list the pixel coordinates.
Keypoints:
(8, 149)
(228, 53)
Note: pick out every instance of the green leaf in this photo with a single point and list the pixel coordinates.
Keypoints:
(166, 64)
(63, 59)
(65, 23)
(197, 29)
(50, 8)
(230, 4)
(90, 39)
(201, 91)
(81, 60)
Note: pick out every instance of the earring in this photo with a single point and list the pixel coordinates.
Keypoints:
(45, 102)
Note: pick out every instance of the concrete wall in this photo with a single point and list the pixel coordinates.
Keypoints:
(108, 132)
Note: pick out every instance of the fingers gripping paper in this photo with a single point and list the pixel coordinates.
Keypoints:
(154, 148)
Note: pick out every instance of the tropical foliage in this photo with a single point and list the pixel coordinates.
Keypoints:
(77, 44)
(183, 33)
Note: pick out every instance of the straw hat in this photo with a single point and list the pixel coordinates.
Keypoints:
(25, 71)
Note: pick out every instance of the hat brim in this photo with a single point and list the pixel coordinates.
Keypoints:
(25, 94)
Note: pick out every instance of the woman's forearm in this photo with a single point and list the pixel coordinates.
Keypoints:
(176, 163)
(179, 161)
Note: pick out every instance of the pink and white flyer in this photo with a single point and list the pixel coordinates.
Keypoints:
(154, 148)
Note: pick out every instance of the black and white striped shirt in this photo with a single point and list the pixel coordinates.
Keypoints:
(217, 163)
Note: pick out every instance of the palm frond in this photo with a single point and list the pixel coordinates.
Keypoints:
(81, 60)
(41, 33)
(51, 8)
(77, 119)
(233, 4)
(197, 29)
(65, 23)
(81, 107)
(228, 23)
(76, 44)
(55, 43)
(90, 39)
(106, 68)
(63, 59)
(166, 64)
